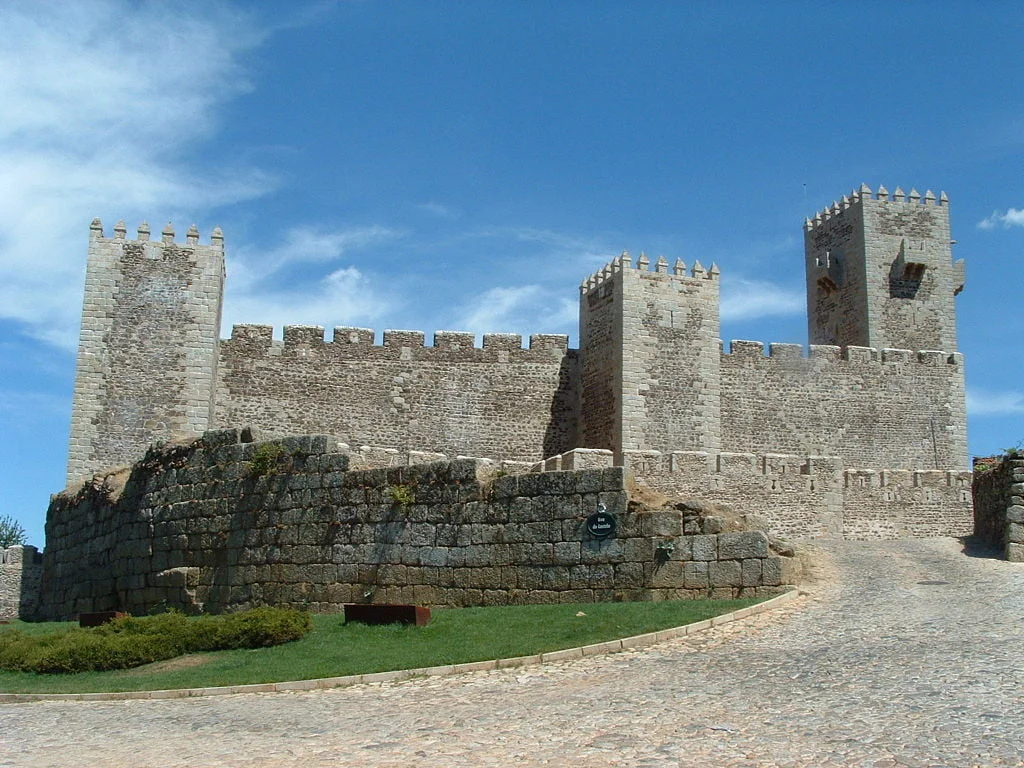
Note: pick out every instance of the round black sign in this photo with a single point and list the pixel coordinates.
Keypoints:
(601, 525)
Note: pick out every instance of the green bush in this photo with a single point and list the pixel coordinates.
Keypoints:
(268, 459)
(11, 532)
(133, 641)
(402, 495)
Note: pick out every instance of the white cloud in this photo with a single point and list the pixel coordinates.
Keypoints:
(983, 403)
(440, 210)
(260, 290)
(750, 299)
(251, 267)
(343, 297)
(100, 100)
(523, 309)
(1013, 217)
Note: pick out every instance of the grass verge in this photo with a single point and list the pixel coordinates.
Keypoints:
(335, 648)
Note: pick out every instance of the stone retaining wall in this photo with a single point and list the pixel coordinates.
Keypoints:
(222, 525)
(999, 508)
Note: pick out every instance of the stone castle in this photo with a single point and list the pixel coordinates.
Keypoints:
(880, 392)
(703, 455)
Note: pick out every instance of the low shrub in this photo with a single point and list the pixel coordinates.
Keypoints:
(133, 641)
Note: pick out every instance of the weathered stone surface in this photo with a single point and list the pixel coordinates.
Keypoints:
(725, 573)
(197, 540)
(739, 546)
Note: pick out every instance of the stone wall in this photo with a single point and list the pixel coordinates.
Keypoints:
(148, 346)
(880, 271)
(813, 496)
(877, 409)
(221, 525)
(999, 508)
(20, 571)
(649, 344)
(455, 398)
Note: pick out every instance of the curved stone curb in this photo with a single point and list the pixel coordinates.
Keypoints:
(611, 646)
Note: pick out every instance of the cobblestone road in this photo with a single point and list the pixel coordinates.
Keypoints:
(909, 654)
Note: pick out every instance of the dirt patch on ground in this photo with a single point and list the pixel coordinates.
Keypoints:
(818, 570)
(179, 662)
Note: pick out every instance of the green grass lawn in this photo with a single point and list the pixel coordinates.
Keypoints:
(335, 648)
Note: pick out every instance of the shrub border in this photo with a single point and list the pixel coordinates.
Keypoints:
(610, 646)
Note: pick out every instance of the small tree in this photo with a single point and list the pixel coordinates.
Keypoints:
(11, 532)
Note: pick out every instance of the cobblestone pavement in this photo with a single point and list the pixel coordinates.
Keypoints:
(905, 654)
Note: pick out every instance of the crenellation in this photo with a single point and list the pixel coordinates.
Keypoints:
(297, 336)
(786, 351)
(557, 342)
(746, 349)
(393, 338)
(349, 335)
(454, 340)
(503, 341)
(652, 387)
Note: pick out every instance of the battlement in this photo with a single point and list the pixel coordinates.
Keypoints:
(353, 342)
(624, 263)
(144, 232)
(755, 350)
(864, 193)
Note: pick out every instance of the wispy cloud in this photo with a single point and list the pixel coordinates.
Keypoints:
(984, 403)
(302, 245)
(101, 102)
(343, 297)
(522, 309)
(262, 290)
(440, 210)
(1013, 217)
(750, 299)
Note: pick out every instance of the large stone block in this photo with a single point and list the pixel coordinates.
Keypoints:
(725, 573)
(695, 575)
(704, 547)
(668, 574)
(743, 545)
(751, 572)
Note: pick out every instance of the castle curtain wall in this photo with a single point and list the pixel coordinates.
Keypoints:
(887, 409)
(500, 400)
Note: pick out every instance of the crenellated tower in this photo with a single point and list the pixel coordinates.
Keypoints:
(880, 272)
(649, 348)
(147, 355)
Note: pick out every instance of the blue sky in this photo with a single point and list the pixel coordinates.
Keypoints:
(464, 166)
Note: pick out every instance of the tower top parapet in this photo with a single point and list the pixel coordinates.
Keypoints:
(864, 193)
(167, 234)
(624, 263)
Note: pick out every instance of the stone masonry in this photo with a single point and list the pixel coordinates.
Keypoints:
(221, 524)
(20, 570)
(880, 391)
(999, 507)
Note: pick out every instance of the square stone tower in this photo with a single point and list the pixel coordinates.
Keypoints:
(147, 354)
(880, 272)
(650, 356)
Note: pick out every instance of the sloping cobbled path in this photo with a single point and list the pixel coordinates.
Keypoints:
(906, 653)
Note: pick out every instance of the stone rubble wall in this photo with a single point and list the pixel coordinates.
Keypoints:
(195, 528)
(813, 496)
(147, 356)
(889, 408)
(999, 508)
(20, 571)
(496, 400)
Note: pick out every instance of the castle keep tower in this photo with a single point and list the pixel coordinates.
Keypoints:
(880, 272)
(650, 357)
(147, 355)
